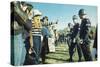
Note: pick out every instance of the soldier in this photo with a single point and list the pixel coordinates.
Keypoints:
(69, 30)
(84, 35)
(75, 39)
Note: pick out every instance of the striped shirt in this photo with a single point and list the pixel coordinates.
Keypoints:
(36, 29)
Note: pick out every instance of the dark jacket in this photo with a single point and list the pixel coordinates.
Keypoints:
(75, 31)
(85, 30)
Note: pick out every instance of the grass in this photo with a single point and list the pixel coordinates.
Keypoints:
(61, 55)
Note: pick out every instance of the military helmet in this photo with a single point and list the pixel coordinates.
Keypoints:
(69, 24)
(82, 12)
(74, 17)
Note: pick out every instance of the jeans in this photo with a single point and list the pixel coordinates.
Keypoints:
(23, 54)
(37, 47)
(17, 50)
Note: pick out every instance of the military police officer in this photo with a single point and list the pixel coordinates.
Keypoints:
(69, 31)
(84, 35)
(75, 39)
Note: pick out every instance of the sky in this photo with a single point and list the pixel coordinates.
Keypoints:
(64, 12)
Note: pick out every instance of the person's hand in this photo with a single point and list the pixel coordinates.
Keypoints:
(81, 41)
(74, 40)
(30, 50)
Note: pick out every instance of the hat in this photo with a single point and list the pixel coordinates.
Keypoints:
(36, 12)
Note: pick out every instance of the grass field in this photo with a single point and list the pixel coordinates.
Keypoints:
(61, 55)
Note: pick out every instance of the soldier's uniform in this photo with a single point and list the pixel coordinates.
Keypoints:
(84, 36)
(69, 34)
(75, 42)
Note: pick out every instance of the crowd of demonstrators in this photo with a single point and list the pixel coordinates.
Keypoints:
(21, 27)
(30, 35)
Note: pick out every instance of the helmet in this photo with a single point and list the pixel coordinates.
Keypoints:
(69, 24)
(74, 17)
(82, 12)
